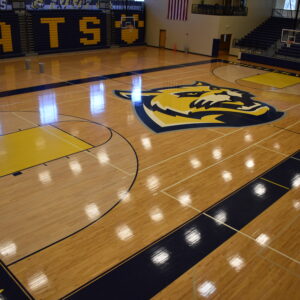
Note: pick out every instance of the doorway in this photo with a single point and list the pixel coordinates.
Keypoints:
(162, 38)
(225, 43)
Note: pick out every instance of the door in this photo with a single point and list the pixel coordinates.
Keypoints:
(162, 38)
(225, 43)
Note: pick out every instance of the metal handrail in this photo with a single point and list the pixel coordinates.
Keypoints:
(219, 10)
(283, 13)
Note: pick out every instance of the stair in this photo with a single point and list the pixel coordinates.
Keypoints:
(266, 34)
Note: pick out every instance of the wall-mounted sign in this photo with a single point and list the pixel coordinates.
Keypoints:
(55, 31)
(5, 5)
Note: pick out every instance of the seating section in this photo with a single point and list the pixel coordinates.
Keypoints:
(293, 51)
(265, 35)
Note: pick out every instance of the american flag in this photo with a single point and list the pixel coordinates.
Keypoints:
(178, 9)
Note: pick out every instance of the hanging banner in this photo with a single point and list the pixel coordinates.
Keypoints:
(61, 31)
(10, 44)
(128, 28)
(64, 4)
(5, 4)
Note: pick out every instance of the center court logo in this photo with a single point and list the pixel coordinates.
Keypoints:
(198, 105)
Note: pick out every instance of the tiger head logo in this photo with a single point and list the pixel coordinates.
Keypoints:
(198, 105)
(37, 4)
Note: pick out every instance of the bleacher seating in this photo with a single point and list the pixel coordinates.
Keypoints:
(293, 51)
(265, 35)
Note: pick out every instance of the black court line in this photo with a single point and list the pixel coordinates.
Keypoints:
(64, 131)
(96, 220)
(86, 121)
(129, 73)
(20, 130)
(78, 138)
(10, 287)
(99, 78)
(153, 268)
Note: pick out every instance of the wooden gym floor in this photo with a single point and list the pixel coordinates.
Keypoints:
(111, 189)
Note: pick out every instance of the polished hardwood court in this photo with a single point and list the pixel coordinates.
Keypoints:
(110, 153)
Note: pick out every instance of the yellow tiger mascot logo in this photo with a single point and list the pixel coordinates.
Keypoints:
(198, 105)
(37, 4)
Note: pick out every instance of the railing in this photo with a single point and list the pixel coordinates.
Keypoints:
(82, 5)
(127, 5)
(219, 10)
(283, 13)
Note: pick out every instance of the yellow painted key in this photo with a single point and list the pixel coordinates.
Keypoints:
(276, 80)
(31, 147)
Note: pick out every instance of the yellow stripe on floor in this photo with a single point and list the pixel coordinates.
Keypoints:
(31, 147)
(276, 80)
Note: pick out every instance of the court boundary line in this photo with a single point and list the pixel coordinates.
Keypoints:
(99, 78)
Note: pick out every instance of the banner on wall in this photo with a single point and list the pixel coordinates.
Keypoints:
(5, 4)
(129, 27)
(64, 4)
(9, 35)
(59, 31)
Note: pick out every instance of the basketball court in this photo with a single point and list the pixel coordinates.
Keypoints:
(137, 173)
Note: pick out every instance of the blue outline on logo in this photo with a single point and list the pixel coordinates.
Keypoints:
(237, 119)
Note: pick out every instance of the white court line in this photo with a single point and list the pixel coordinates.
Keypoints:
(189, 150)
(291, 107)
(278, 265)
(228, 157)
(84, 98)
(216, 131)
(181, 73)
(253, 239)
(74, 145)
(232, 228)
(263, 147)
